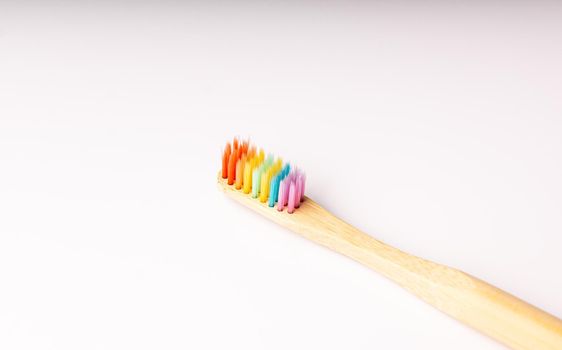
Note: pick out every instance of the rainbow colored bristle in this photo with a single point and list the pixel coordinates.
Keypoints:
(265, 178)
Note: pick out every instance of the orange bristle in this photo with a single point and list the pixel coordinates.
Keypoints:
(244, 147)
(240, 171)
(232, 166)
(225, 158)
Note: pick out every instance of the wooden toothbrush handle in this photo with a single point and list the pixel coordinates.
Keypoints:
(474, 302)
(470, 300)
(501, 315)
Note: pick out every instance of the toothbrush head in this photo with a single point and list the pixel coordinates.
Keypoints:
(264, 178)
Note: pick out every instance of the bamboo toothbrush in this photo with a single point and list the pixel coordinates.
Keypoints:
(276, 191)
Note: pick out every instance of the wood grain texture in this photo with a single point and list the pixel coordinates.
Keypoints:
(472, 301)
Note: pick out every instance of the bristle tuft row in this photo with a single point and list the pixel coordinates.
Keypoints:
(266, 179)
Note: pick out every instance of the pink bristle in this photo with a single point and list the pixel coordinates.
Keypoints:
(298, 186)
(303, 180)
(286, 183)
(292, 198)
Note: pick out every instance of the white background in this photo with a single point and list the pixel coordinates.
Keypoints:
(435, 128)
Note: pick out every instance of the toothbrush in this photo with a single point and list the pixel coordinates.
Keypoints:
(276, 190)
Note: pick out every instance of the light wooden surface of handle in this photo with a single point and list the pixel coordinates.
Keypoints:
(476, 303)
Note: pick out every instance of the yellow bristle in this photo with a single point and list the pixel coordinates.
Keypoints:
(248, 176)
(278, 165)
(269, 177)
(264, 190)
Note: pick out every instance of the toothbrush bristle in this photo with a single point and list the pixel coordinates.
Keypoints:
(266, 179)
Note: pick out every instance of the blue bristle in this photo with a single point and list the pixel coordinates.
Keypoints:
(286, 170)
(272, 191)
(276, 192)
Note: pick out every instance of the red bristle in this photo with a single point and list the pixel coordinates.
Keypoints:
(225, 157)
(235, 143)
